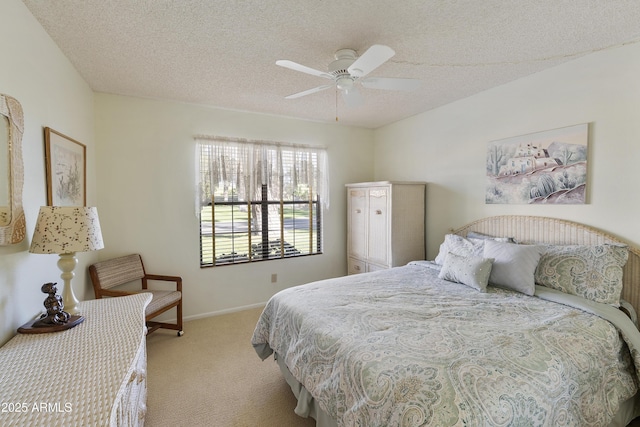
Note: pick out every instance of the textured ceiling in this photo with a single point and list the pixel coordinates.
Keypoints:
(222, 52)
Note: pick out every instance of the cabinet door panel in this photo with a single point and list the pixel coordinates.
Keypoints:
(357, 238)
(378, 243)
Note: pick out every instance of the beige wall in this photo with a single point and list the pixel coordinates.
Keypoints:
(52, 93)
(447, 146)
(144, 171)
(146, 201)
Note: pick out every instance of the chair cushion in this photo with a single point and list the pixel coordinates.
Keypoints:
(160, 299)
(118, 271)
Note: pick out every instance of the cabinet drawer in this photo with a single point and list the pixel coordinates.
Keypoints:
(375, 267)
(356, 266)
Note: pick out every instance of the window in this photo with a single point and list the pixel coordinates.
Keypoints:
(259, 200)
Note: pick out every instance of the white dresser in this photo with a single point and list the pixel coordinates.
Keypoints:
(385, 224)
(91, 375)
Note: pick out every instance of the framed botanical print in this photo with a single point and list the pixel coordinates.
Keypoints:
(66, 161)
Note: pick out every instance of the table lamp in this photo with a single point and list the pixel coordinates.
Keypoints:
(65, 230)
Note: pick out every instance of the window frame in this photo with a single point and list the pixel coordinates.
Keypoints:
(258, 222)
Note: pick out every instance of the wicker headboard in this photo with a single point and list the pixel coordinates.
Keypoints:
(536, 229)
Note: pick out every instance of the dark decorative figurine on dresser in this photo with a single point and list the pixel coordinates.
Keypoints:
(55, 308)
(55, 319)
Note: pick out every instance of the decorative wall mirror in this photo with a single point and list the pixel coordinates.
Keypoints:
(12, 221)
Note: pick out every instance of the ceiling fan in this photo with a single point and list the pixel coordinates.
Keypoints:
(348, 70)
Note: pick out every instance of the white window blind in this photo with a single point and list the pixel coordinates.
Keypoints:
(259, 200)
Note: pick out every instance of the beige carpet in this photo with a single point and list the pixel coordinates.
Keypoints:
(211, 376)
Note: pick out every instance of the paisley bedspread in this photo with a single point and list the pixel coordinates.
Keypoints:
(401, 347)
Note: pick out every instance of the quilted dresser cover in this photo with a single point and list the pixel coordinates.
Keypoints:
(91, 375)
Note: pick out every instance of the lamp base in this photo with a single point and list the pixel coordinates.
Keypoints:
(66, 264)
(36, 326)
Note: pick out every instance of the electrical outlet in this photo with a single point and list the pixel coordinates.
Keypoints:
(274, 278)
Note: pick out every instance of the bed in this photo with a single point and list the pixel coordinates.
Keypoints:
(519, 320)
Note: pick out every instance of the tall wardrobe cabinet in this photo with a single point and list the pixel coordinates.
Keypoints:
(385, 225)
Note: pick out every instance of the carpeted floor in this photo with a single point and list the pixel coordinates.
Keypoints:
(211, 376)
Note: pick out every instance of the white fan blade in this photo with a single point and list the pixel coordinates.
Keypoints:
(374, 57)
(352, 97)
(302, 68)
(387, 83)
(308, 91)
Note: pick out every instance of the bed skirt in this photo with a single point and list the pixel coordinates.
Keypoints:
(308, 407)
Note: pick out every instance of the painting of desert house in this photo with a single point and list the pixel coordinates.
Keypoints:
(544, 167)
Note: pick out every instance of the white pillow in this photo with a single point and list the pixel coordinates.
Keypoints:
(472, 271)
(514, 265)
(459, 246)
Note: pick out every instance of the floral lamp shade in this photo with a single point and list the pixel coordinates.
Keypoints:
(66, 229)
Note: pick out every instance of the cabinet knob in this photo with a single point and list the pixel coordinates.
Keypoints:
(356, 267)
(378, 212)
(358, 211)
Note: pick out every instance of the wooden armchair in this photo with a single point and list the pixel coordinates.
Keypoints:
(106, 275)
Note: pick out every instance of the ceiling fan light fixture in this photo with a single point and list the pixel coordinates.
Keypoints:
(344, 83)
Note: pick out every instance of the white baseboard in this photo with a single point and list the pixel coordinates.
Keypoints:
(217, 313)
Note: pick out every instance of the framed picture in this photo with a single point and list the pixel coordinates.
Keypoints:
(548, 167)
(66, 163)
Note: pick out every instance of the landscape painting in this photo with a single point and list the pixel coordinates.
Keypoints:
(547, 167)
